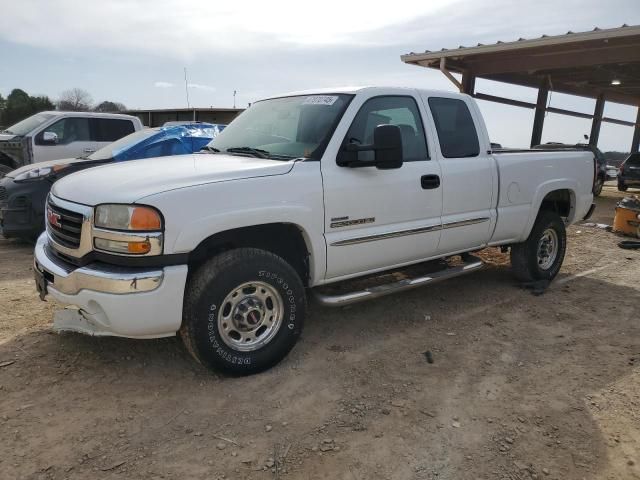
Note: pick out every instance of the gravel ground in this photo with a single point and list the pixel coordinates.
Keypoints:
(521, 386)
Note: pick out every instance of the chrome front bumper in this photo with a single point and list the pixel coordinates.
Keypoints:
(111, 300)
(107, 279)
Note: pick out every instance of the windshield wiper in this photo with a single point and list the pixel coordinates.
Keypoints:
(210, 149)
(256, 152)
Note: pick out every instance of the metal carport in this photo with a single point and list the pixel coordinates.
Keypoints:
(603, 64)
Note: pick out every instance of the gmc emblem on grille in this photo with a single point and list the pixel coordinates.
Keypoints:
(53, 218)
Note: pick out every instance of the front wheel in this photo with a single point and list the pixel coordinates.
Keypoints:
(243, 311)
(540, 256)
(621, 186)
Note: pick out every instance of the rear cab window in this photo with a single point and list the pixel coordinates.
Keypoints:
(111, 129)
(455, 127)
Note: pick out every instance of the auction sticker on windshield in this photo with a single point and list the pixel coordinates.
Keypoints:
(320, 100)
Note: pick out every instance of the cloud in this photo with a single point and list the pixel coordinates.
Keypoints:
(163, 84)
(186, 30)
(198, 86)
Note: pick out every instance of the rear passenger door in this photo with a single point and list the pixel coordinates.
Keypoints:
(107, 130)
(467, 176)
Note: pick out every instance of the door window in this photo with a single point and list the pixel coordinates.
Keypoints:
(455, 127)
(69, 130)
(111, 129)
(401, 111)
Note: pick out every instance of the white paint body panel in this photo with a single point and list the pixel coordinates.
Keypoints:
(201, 195)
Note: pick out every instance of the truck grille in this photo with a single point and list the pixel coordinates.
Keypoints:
(3, 193)
(65, 226)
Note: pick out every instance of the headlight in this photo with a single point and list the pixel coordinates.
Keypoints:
(128, 217)
(35, 174)
(39, 173)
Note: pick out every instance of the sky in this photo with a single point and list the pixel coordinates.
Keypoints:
(135, 51)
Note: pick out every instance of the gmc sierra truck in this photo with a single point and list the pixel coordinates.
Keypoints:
(300, 194)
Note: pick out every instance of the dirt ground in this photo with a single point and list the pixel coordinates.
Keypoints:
(521, 386)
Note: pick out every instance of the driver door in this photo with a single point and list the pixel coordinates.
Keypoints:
(376, 219)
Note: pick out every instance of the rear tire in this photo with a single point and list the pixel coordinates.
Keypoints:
(621, 186)
(541, 255)
(243, 311)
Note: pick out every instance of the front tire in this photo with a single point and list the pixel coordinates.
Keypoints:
(541, 255)
(621, 186)
(597, 188)
(243, 311)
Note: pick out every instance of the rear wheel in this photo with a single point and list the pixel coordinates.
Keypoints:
(541, 255)
(622, 186)
(243, 312)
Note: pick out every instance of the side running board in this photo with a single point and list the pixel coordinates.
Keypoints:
(471, 265)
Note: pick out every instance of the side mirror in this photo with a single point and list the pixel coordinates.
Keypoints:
(387, 148)
(387, 144)
(50, 138)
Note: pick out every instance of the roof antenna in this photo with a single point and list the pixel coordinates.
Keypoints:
(186, 89)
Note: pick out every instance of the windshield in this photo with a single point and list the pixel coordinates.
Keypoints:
(284, 128)
(116, 147)
(29, 124)
(634, 159)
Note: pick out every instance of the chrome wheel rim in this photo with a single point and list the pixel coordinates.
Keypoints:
(250, 316)
(547, 249)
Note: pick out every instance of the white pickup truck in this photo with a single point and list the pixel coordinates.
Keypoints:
(56, 135)
(300, 191)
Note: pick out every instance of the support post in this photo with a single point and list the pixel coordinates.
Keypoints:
(635, 143)
(597, 121)
(538, 119)
(468, 83)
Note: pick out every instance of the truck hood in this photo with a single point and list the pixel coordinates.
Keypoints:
(6, 136)
(131, 181)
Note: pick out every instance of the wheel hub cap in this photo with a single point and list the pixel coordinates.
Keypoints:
(250, 316)
(547, 249)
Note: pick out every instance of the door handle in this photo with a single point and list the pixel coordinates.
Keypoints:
(89, 150)
(429, 182)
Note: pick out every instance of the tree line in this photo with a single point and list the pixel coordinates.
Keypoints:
(19, 104)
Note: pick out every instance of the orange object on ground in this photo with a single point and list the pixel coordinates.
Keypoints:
(627, 219)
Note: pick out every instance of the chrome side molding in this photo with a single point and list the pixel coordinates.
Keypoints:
(377, 291)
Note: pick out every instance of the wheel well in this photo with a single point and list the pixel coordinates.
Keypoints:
(283, 239)
(559, 201)
(6, 160)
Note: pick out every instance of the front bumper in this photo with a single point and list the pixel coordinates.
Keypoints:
(22, 207)
(112, 300)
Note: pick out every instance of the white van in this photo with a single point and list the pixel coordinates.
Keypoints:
(57, 135)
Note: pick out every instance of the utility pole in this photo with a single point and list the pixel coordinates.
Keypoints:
(234, 98)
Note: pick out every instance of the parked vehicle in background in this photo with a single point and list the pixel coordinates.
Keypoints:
(629, 173)
(612, 172)
(24, 191)
(598, 155)
(49, 136)
(299, 192)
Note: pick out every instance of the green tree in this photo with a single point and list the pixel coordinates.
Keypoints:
(20, 105)
(3, 105)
